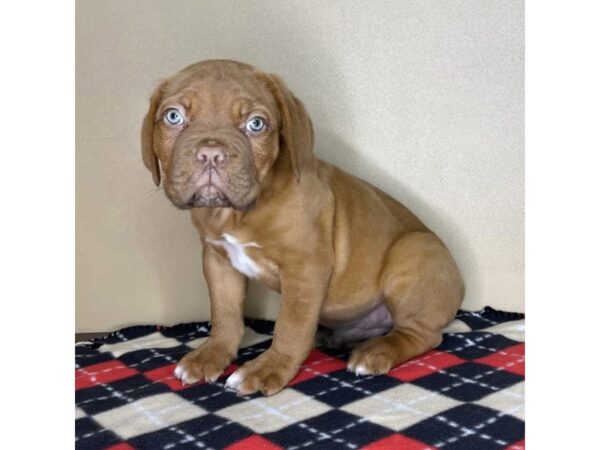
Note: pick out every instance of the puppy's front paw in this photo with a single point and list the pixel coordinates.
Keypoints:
(269, 373)
(207, 363)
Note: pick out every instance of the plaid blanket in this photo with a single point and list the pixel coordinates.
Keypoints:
(466, 394)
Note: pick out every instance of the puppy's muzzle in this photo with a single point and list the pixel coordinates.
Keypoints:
(212, 172)
(209, 183)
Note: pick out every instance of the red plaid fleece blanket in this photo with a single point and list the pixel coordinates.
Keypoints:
(466, 394)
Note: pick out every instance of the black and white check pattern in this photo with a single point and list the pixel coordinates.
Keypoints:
(466, 394)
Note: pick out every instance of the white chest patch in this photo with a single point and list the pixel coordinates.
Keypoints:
(237, 254)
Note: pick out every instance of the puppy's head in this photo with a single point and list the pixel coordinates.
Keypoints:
(214, 131)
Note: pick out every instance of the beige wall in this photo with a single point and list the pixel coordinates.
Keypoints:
(422, 98)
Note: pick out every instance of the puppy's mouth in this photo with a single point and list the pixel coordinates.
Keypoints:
(212, 195)
(209, 196)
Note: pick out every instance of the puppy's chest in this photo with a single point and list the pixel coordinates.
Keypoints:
(247, 257)
(238, 254)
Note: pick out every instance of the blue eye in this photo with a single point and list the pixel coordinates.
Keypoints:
(174, 117)
(255, 124)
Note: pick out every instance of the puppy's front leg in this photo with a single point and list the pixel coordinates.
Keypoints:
(227, 290)
(302, 295)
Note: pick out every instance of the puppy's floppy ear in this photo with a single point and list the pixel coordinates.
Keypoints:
(296, 127)
(148, 153)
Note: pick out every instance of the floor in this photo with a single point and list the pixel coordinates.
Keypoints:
(80, 337)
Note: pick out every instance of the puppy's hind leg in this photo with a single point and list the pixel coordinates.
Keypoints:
(422, 290)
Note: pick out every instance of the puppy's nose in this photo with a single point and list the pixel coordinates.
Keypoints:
(214, 155)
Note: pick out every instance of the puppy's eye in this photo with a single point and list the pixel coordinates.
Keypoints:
(174, 117)
(255, 124)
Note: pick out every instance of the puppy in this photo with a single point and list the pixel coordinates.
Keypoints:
(234, 146)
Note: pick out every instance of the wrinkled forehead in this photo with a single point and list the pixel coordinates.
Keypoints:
(220, 87)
